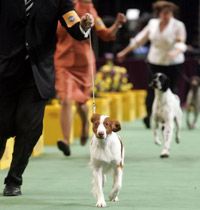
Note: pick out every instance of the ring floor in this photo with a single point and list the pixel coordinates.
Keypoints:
(54, 182)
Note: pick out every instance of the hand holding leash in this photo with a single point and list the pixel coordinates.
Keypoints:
(87, 21)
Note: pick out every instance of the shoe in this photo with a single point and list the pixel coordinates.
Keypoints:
(146, 122)
(64, 148)
(83, 140)
(11, 190)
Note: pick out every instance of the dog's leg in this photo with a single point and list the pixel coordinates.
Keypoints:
(192, 109)
(98, 187)
(117, 183)
(104, 180)
(177, 135)
(188, 112)
(189, 107)
(177, 121)
(196, 113)
(156, 132)
(191, 117)
(168, 131)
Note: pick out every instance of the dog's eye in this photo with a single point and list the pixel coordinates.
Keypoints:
(96, 123)
(106, 123)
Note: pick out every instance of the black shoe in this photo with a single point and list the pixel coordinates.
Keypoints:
(146, 121)
(64, 148)
(11, 190)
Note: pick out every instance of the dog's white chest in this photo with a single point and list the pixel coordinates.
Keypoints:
(106, 152)
(103, 153)
(160, 110)
(165, 106)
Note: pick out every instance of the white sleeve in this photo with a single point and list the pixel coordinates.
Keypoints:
(142, 37)
(181, 37)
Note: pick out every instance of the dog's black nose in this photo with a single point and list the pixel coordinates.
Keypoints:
(100, 134)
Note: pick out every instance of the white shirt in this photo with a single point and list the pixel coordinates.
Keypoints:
(171, 38)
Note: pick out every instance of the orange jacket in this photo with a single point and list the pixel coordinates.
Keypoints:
(70, 52)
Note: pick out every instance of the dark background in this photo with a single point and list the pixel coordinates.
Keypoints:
(107, 9)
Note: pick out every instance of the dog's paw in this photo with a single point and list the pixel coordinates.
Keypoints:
(101, 204)
(114, 199)
(164, 153)
(191, 126)
(157, 142)
(177, 140)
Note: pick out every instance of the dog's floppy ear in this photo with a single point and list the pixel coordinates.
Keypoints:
(116, 126)
(95, 117)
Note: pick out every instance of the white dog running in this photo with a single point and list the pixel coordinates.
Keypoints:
(106, 153)
(166, 111)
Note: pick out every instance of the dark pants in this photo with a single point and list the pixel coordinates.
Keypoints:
(21, 115)
(172, 72)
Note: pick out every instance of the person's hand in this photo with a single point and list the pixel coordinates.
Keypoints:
(87, 21)
(173, 54)
(121, 19)
(120, 56)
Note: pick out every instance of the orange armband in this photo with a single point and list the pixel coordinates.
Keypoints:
(71, 18)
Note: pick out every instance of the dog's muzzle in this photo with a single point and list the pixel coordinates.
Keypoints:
(100, 135)
(153, 84)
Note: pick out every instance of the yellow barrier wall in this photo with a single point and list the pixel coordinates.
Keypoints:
(7, 157)
(39, 147)
(140, 96)
(129, 104)
(102, 107)
(52, 130)
(116, 105)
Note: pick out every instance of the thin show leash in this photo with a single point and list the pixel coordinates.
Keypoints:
(93, 78)
(93, 74)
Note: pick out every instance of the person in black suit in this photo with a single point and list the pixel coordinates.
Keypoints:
(27, 44)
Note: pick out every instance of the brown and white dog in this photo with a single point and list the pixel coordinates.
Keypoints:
(193, 102)
(106, 154)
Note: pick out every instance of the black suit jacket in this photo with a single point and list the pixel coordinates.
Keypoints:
(36, 34)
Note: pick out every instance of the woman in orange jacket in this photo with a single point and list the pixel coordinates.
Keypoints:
(73, 71)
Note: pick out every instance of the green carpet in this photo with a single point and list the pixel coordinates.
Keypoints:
(54, 182)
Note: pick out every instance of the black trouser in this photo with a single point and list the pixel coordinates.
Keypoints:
(21, 115)
(172, 72)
